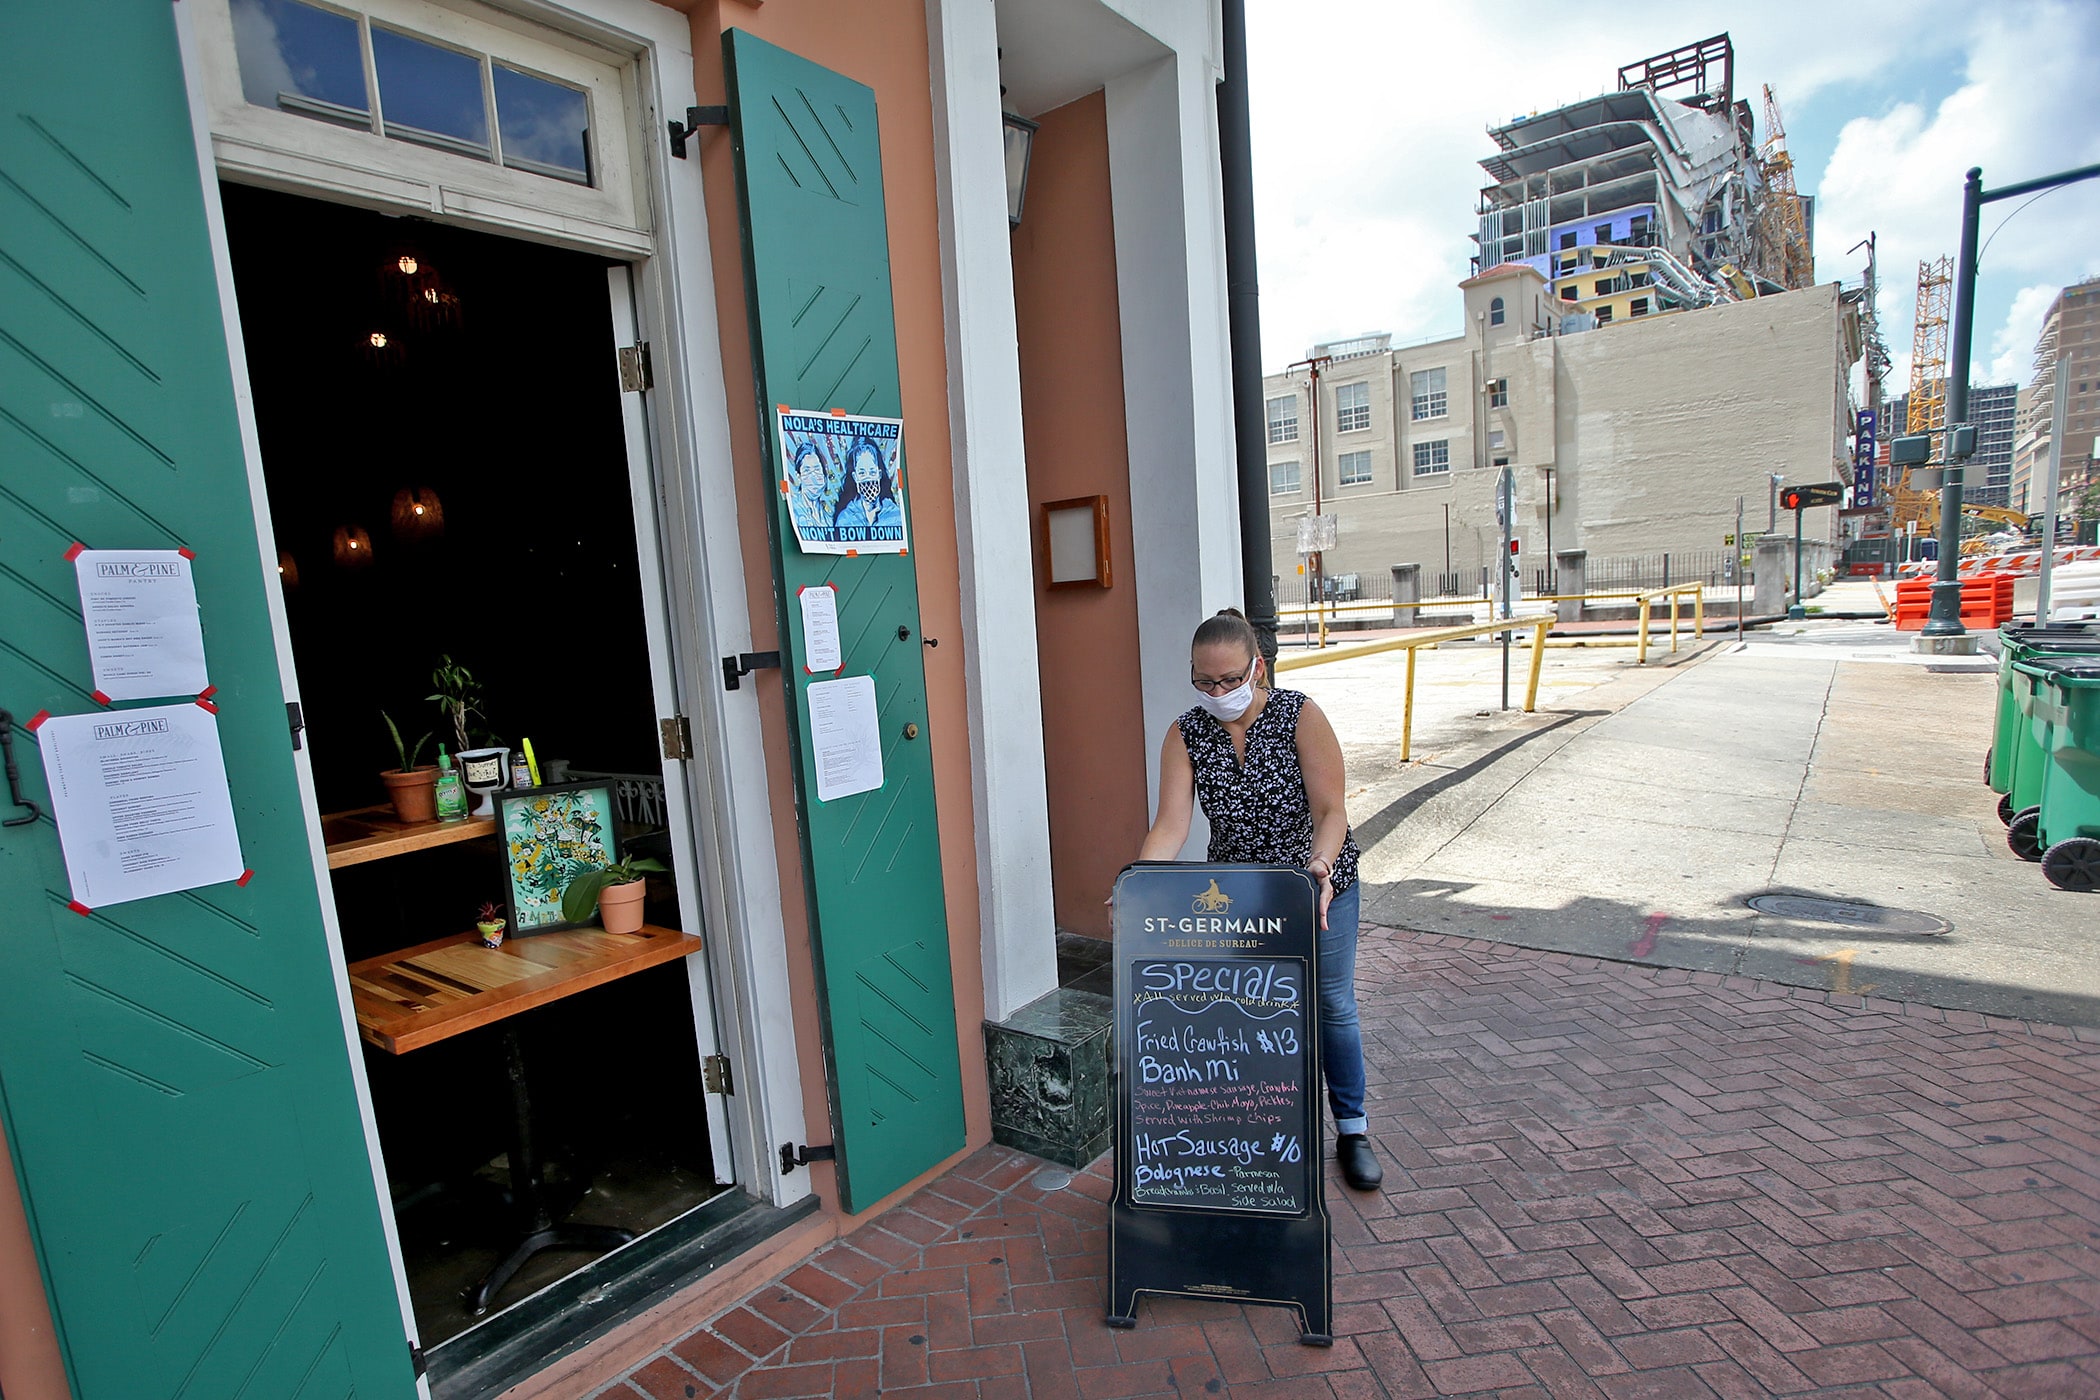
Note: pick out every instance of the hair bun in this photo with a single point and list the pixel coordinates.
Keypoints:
(1232, 612)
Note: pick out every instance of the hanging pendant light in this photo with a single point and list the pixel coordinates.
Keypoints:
(287, 570)
(417, 514)
(353, 546)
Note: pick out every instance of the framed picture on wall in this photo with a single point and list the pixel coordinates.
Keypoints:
(551, 835)
(1075, 543)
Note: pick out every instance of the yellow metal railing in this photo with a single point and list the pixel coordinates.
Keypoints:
(1539, 625)
(1647, 600)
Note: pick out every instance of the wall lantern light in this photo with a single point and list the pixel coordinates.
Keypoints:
(417, 514)
(1020, 141)
(353, 546)
(1075, 542)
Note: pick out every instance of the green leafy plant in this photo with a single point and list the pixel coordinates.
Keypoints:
(580, 896)
(409, 757)
(458, 697)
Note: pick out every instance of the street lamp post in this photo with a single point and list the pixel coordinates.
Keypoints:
(1943, 622)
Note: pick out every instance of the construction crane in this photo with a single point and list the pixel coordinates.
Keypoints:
(1928, 388)
(1788, 257)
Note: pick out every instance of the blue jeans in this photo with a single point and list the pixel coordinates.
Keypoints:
(1341, 1043)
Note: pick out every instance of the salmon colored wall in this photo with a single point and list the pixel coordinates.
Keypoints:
(30, 1368)
(1072, 421)
(882, 43)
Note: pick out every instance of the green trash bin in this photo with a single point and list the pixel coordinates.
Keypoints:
(2018, 641)
(2066, 706)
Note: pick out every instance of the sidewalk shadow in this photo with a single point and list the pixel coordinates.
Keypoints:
(1848, 959)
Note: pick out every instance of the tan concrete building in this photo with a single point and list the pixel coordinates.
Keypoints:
(2069, 344)
(1631, 440)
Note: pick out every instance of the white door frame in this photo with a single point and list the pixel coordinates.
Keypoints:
(740, 987)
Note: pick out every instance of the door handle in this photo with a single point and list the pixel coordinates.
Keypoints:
(14, 774)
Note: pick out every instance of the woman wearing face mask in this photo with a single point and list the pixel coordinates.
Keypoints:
(1268, 769)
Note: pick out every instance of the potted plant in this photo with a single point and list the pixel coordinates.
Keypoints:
(412, 787)
(485, 770)
(458, 698)
(490, 923)
(616, 890)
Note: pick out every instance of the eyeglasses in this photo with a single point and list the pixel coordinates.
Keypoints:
(1221, 685)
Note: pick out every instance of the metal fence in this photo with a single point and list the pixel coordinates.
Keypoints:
(1627, 573)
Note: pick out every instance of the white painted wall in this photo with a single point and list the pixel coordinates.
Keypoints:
(993, 524)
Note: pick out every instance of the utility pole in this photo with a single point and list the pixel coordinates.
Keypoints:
(1315, 561)
(1943, 626)
(1506, 515)
(1736, 568)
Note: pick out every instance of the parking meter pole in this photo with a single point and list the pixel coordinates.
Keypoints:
(1796, 609)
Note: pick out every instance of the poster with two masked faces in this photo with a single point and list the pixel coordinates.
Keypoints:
(844, 480)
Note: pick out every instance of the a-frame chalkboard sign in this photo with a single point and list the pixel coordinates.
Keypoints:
(1219, 1191)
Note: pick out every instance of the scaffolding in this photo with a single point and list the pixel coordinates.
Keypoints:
(1789, 258)
(1928, 387)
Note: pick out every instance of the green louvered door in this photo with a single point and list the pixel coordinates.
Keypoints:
(817, 277)
(174, 1075)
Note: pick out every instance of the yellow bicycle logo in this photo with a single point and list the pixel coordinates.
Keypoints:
(1212, 900)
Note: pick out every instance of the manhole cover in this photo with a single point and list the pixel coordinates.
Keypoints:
(1807, 909)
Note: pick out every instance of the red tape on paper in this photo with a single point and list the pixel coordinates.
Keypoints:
(99, 698)
(246, 876)
(207, 692)
(77, 907)
(207, 706)
(36, 719)
(75, 551)
(187, 553)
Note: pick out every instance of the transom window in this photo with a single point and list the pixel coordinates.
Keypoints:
(1355, 468)
(1433, 458)
(1283, 419)
(1426, 391)
(1352, 407)
(1283, 478)
(1498, 393)
(330, 65)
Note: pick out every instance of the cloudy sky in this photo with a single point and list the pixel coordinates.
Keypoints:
(1370, 119)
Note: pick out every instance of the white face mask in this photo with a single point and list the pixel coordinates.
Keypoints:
(1233, 703)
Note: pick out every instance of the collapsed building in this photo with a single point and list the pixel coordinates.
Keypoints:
(1655, 197)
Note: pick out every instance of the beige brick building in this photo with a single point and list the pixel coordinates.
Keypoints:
(1630, 439)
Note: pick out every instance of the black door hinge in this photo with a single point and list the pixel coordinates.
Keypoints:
(735, 668)
(695, 118)
(415, 1359)
(296, 717)
(792, 1156)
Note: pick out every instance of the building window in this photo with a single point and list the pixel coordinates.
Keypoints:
(1432, 458)
(1570, 292)
(1638, 279)
(1603, 315)
(1283, 419)
(1497, 440)
(1567, 240)
(1352, 407)
(1283, 478)
(1604, 287)
(1639, 307)
(1498, 393)
(1356, 468)
(1496, 315)
(1502, 461)
(1426, 391)
(1604, 233)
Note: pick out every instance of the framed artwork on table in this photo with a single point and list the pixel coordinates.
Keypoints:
(551, 835)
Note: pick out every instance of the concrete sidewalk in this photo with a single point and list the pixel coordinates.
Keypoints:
(1823, 761)
(1605, 1180)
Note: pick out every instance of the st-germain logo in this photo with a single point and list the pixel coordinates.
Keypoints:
(1212, 900)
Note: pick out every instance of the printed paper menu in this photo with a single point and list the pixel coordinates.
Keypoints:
(143, 634)
(141, 802)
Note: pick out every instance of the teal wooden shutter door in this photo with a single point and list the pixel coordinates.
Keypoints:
(174, 1075)
(817, 275)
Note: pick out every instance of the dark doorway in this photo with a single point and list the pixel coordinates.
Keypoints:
(448, 477)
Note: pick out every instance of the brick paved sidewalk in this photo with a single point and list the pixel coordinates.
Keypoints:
(1603, 1180)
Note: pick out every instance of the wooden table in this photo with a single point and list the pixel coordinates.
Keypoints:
(415, 998)
(408, 1000)
(374, 833)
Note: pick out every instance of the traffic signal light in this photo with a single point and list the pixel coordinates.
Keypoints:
(1792, 498)
(1514, 550)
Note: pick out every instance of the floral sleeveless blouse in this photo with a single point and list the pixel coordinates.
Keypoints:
(1258, 809)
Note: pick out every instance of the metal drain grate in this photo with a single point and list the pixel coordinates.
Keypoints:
(1849, 914)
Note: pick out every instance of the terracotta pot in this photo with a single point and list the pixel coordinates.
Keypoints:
(620, 906)
(414, 793)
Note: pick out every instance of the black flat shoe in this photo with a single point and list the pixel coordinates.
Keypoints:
(1359, 1163)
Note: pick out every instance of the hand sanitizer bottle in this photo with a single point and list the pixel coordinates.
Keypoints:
(451, 797)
